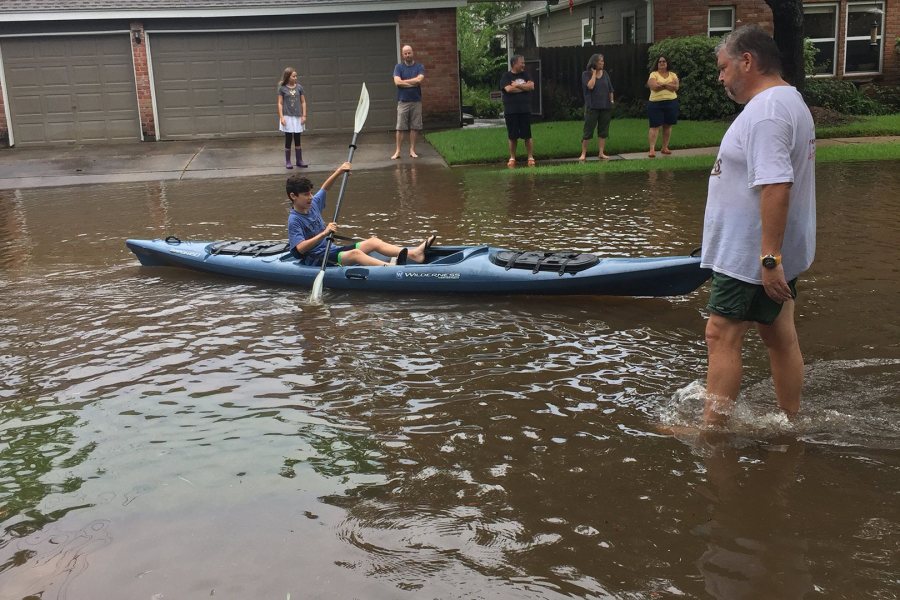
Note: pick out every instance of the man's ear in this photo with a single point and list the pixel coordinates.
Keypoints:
(748, 60)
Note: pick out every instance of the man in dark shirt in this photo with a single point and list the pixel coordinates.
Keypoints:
(516, 87)
(408, 77)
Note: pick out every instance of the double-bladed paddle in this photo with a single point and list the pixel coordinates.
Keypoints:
(362, 111)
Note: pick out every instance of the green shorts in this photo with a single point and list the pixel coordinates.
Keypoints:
(736, 299)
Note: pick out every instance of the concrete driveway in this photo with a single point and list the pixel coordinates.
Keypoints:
(66, 165)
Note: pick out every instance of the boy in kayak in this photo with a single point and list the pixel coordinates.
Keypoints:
(307, 231)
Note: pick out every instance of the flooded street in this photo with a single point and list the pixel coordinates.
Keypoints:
(167, 434)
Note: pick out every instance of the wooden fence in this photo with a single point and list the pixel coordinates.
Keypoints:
(561, 69)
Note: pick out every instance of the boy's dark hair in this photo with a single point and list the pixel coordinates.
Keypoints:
(297, 184)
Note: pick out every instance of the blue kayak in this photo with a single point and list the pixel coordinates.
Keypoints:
(447, 269)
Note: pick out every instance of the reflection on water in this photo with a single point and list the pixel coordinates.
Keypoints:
(169, 434)
(755, 545)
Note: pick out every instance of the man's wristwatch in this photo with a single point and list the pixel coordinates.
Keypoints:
(770, 261)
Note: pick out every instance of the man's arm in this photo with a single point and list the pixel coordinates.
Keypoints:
(775, 199)
(518, 88)
(407, 83)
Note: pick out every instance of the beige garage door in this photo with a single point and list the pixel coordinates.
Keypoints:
(71, 89)
(224, 83)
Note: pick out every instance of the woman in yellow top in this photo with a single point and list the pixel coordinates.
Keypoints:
(663, 106)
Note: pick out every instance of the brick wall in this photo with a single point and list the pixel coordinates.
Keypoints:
(142, 81)
(676, 18)
(891, 33)
(432, 35)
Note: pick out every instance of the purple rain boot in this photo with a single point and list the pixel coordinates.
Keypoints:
(287, 159)
(300, 162)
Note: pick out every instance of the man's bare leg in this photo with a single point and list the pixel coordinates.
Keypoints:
(785, 358)
(396, 154)
(724, 339)
(412, 143)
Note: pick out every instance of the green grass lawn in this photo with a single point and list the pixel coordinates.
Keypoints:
(841, 153)
(562, 139)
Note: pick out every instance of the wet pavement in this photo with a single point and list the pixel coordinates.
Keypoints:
(65, 165)
(32, 167)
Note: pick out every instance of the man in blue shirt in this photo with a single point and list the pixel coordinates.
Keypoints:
(408, 77)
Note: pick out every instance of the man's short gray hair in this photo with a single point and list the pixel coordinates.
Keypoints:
(754, 40)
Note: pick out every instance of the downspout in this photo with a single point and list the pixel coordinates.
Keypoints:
(649, 21)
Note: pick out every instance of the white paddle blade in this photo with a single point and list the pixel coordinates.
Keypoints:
(318, 285)
(362, 109)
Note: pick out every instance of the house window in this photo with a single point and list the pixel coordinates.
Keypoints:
(629, 28)
(864, 39)
(721, 20)
(587, 32)
(820, 27)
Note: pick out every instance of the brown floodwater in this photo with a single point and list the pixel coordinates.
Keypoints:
(166, 434)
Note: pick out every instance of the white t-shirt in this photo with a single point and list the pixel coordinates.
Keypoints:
(773, 140)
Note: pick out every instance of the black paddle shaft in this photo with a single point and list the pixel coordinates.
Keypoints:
(337, 208)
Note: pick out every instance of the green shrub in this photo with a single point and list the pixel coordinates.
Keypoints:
(888, 96)
(479, 98)
(693, 58)
(841, 96)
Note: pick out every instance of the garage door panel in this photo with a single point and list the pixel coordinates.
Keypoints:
(320, 66)
(265, 42)
(51, 75)
(89, 102)
(119, 74)
(83, 74)
(262, 69)
(119, 103)
(55, 105)
(324, 121)
(71, 89)
(30, 106)
(240, 70)
(241, 123)
(233, 97)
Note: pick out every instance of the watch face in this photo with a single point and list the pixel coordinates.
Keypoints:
(769, 262)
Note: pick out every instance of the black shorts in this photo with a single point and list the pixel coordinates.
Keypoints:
(598, 118)
(663, 112)
(742, 301)
(518, 126)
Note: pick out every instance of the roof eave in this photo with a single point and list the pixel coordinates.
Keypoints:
(187, 13)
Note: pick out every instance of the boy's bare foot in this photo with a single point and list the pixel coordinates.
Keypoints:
(603, 156)
(582, 158)
(417, 254)
(413, 154)
(396, 155)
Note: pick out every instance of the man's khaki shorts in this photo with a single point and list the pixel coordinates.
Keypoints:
(409, 116)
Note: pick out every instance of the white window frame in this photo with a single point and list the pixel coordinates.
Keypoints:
(878, 4)
(717, 31)
(625, 15)
(585, 24)
(835, 10)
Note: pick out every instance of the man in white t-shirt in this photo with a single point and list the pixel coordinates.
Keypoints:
(759, 231)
